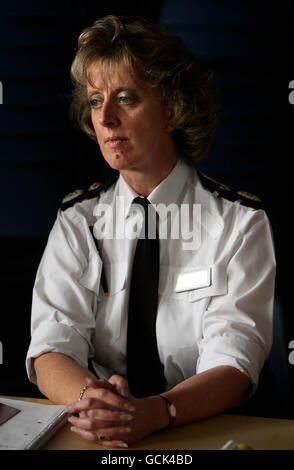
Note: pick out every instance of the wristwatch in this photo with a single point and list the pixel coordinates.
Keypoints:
(171, 410)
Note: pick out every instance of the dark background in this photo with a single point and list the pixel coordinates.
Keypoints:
(248, 44)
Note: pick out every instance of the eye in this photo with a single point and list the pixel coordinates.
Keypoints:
(95, 101)
(126, 98)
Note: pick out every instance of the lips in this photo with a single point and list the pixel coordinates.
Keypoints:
(115, 141)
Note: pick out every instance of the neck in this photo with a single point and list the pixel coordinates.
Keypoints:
(143, 183)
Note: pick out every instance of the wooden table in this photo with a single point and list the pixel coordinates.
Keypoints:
(209, 434)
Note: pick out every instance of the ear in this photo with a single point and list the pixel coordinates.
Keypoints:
(170, 120)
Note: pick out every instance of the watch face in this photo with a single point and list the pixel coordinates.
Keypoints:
(173, 411)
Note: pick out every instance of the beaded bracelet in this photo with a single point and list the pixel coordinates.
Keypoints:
(83, 391)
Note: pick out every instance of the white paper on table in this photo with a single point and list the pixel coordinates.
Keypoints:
(32, 427)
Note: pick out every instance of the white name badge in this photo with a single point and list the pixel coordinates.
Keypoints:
(193, 280)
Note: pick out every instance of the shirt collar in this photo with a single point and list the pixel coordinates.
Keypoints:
(125, 191)
(167, 192)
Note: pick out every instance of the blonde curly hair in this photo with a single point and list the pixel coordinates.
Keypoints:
(157, 57)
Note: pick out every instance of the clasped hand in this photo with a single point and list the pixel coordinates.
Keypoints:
(110, 415)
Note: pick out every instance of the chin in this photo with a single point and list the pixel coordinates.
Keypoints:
(117, 164)
(117, 161)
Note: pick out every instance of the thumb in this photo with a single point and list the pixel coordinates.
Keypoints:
(99, 383)
(121, 385)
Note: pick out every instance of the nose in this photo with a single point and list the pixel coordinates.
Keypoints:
(108, 115)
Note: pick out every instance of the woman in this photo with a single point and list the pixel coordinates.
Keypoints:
(141, 94)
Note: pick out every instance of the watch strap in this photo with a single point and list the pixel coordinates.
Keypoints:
(171, 410)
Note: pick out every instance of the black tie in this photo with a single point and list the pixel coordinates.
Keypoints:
(144, 369)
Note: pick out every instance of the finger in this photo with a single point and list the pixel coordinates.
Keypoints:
(96, 419)
(116, 383)
(103, 399)
(90, 436)
(83, 410)
(100, 383)
(88, 425)
(114, 433)
(121, 385)
(114, 443)
(92, 393)
(109, 415)
(99, 438)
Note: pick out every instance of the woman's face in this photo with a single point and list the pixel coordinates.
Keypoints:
(130, 122)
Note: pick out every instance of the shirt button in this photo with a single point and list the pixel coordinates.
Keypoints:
(191, 295)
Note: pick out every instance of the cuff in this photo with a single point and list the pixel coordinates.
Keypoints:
(232, 350)
(56, 338)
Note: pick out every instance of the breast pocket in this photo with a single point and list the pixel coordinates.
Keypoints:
(110, 305)
(179, 323)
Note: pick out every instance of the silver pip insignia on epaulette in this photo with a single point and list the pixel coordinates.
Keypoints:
(222, 190)
(94, 190)
(249, 196)
(79, 192)
(94, 186)
(72, 195)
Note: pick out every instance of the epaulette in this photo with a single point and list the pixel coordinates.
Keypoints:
(81, 194)
(245, 198)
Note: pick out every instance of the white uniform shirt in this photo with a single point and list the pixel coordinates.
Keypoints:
(228, 322)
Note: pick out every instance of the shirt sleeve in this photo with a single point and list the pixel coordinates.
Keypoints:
(65, 292)
(237, 327)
